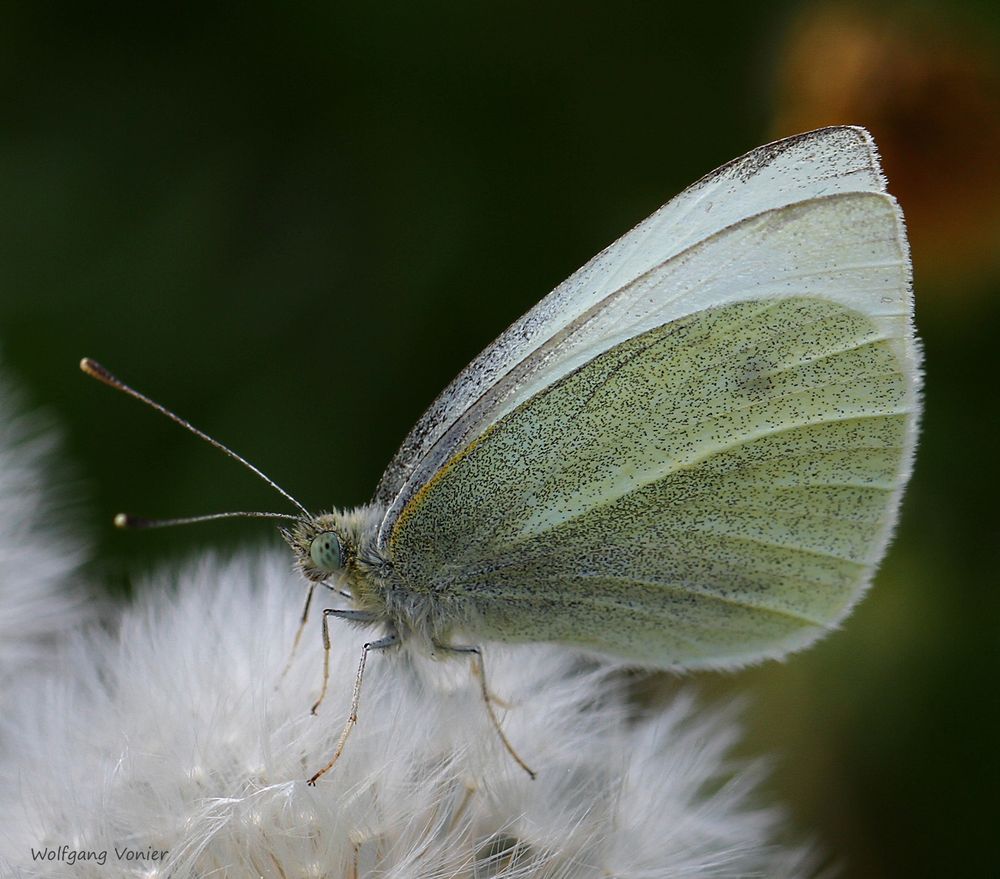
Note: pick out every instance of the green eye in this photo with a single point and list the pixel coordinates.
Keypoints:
(326, 552)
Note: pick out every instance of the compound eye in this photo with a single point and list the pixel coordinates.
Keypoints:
(326, 552)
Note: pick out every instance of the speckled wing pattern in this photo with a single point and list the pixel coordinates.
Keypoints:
(555, 337)
(701, 468)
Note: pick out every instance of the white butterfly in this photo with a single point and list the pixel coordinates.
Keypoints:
(690, 454)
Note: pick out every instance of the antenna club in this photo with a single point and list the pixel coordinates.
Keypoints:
(123, 520)
(95, 370)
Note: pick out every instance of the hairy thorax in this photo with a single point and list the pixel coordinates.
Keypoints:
(367, 577)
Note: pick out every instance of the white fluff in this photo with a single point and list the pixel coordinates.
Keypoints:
(40, 592)
(177, 733)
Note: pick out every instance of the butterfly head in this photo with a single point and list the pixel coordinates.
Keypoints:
(322, 549)
(335, 546)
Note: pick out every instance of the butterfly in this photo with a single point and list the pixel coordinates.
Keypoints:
(690, 454)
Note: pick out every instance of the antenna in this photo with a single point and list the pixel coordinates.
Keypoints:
(128, 521)
(95, 370)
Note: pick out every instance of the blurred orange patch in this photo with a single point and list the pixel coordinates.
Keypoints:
(930, 94)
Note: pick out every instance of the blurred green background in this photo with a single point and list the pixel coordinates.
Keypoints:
(295, 222)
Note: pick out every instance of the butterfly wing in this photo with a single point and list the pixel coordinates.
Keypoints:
(548, 341)
(711, 489)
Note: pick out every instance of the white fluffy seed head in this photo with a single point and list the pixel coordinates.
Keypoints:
(177, 733)
(41, 595)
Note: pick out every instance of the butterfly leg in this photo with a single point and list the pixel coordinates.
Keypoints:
(304, 620)
(382, 644)
(357, 616)
(298, 632)
(479, 668)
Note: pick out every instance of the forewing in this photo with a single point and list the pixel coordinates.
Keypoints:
(711, 490)
(818, 163)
